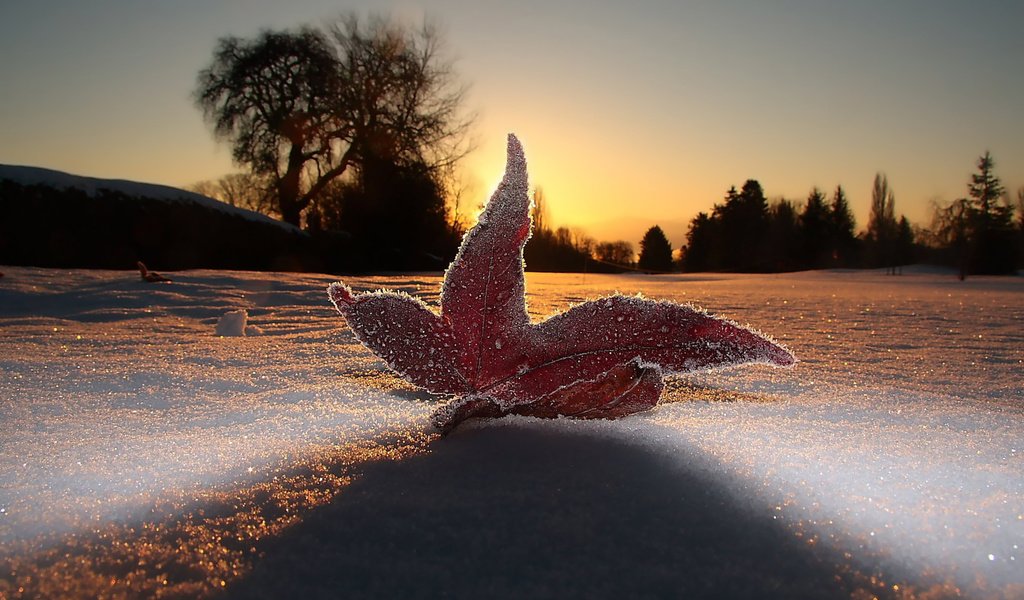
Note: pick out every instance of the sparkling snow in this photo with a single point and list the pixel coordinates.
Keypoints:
(142, 453)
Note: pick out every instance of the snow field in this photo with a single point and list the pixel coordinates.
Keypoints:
(893, 447)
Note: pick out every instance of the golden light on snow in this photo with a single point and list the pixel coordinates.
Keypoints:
(143, 455)
(193, 544)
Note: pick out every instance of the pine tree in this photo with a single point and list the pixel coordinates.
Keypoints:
(699, 254)
(783, 241)
(655, 251)
(742, 228)
(843, 241)
(986, 190)
(991, 237)
(814, 230)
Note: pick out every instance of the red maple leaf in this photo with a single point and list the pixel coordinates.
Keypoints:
(601, 359)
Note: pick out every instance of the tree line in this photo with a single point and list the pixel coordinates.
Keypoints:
(561, 249)
(354, 131)
(978, 233)
(981, 233)
(747, 233)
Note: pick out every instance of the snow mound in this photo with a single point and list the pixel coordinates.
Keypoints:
(24, 175)
(235, 323)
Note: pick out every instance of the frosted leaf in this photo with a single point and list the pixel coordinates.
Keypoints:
(599, 359)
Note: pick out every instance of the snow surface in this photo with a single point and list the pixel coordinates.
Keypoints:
(92, 185)
(142, 454)
(235, 323)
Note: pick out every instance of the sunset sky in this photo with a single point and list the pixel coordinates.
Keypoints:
(631, 113)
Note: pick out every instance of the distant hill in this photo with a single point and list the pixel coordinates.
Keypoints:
(28, 176)
(53, 219)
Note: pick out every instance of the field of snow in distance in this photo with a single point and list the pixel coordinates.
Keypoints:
(142, 454)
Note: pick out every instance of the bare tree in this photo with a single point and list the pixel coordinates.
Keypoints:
(581, 241)
(1020, 208)
(208, 187)
(244, 190)
(619, 252)
(951, 228)
(882, 224)
(539, 210)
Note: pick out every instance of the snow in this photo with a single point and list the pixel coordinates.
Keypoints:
(24, 175)
(234, 323)
(142, 453)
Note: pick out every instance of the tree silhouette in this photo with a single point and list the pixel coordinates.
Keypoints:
(979, 231)
(882, 225)
(301, 107)
(815, 231)
(539, 210)
(991, 246)
(986, 190)
(273, 98)
(392, 213)
(904, 242)
(655, 251)
(742, 227)
(1020, 208)
(951, 228)
(1020, 225)
(842, 225)
(244, 190)
(745, 233)
(784, 238)
(699, 253)
(618, 252)
(554, 250)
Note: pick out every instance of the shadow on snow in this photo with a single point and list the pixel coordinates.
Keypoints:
(514, 511)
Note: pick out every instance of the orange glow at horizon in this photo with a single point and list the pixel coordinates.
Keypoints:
(629, 118)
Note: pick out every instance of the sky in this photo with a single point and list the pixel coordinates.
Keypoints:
(631, 113)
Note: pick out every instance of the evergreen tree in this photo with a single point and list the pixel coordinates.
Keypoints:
(655, 251)
(986, 190)
(742, 228)
(843, 239)
(991, 244)
(783, 242)
(815, 231)
(699, 254)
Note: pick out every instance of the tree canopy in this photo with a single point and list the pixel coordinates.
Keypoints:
(302, 107)
(655, 251)
(979, 229)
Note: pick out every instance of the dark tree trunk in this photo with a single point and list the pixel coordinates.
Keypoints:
(288, 188)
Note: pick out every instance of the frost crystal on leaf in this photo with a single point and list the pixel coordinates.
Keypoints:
(600, 359)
